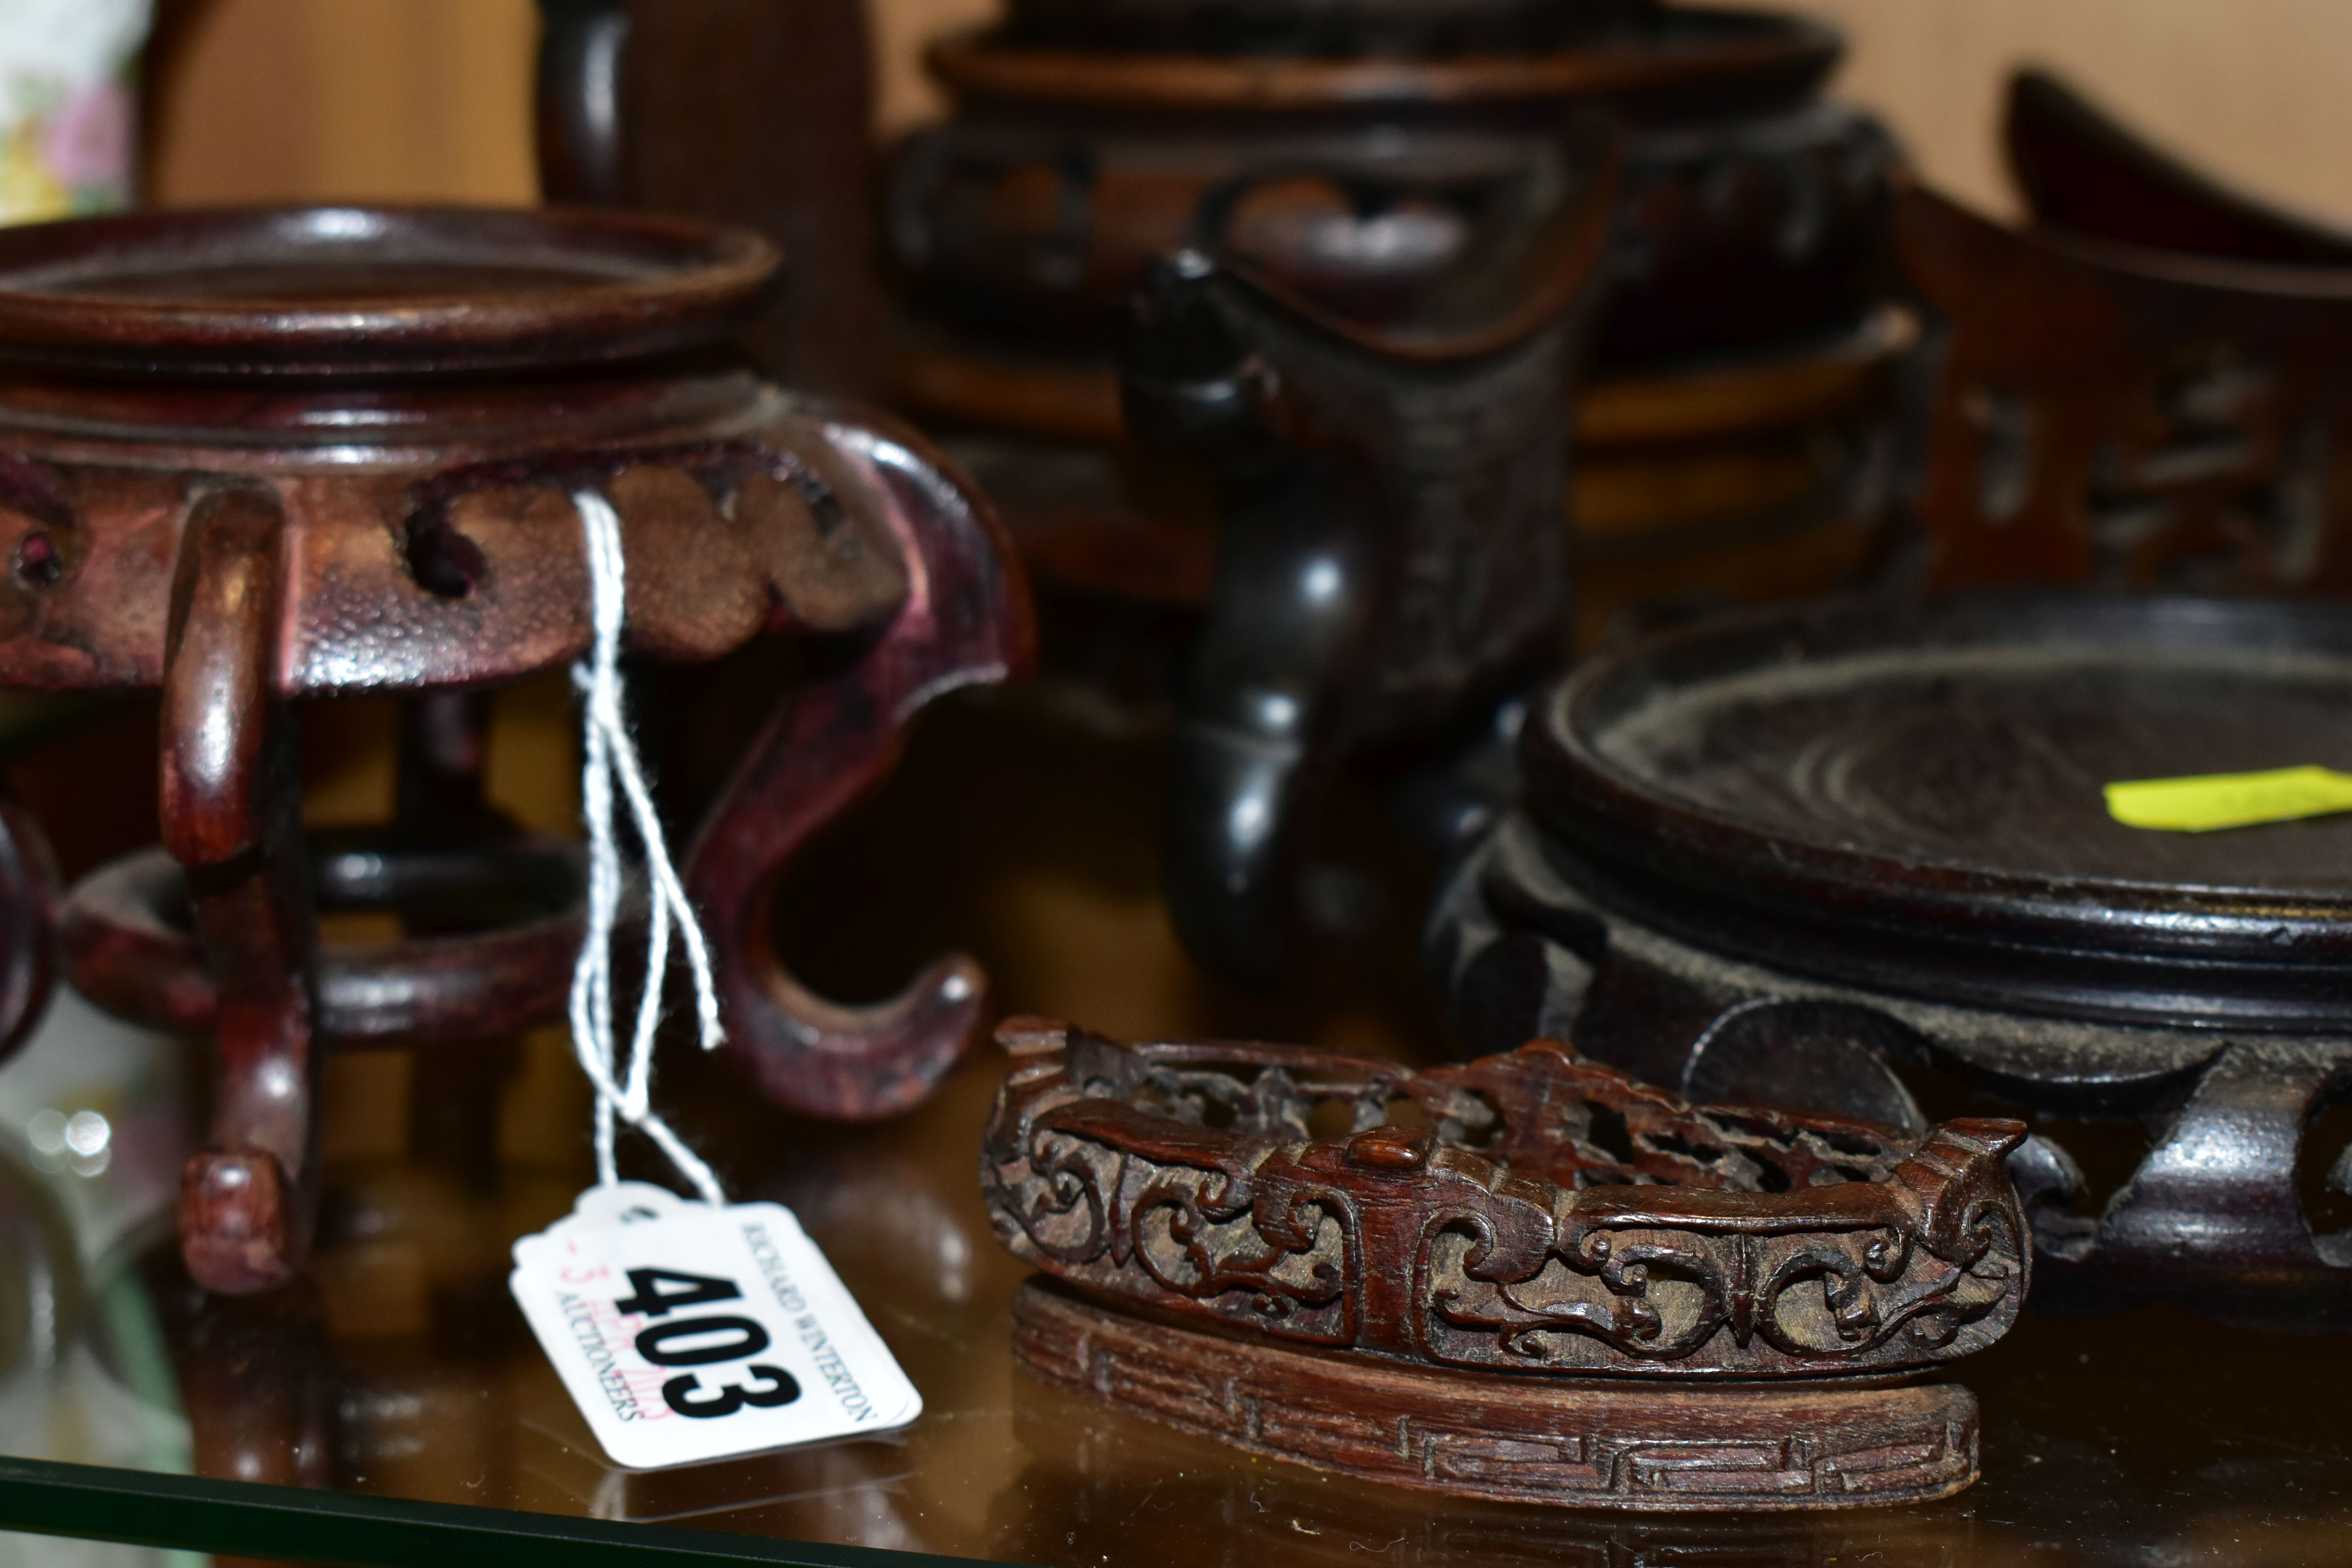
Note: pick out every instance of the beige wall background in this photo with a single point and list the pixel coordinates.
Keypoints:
(417, 99)
(382, 99)
(2255, 89)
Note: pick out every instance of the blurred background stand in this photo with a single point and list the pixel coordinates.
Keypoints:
(743, 112)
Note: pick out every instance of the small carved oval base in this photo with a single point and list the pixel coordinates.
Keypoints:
(1618, 1444)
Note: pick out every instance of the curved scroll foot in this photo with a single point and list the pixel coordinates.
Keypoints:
(1260, 722)
(965, 622)
(239, 1230)
(1258, 738)
(853, 1063)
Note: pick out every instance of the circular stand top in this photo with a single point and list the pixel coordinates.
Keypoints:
(1330, 27)
(370, 290)
(1910, 798)
(1693, 64)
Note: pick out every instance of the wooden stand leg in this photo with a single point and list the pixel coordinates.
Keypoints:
(231, 816)
(444, 741)
(966, 623)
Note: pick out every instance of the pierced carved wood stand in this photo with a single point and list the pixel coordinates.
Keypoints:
(1528, 1278)
(1829, 859)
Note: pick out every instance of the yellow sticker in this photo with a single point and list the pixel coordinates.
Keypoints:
(2211, 801)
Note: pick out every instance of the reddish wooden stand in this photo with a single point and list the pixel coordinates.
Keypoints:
(249, 459)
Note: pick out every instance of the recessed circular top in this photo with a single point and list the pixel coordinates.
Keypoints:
(1710, 64)
(370, 290)
(1911, 797)
(1319, 26)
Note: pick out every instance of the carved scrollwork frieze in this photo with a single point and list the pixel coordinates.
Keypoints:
(1243, 1236)
(1187, 1178)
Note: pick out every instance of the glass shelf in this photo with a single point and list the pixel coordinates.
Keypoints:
(392, 1408)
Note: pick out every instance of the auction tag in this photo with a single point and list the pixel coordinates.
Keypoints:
(2211, 801)
(686, 1333)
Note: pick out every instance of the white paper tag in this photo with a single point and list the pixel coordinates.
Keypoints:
(686, 1334)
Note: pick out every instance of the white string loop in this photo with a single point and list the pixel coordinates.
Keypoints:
(625, 1092)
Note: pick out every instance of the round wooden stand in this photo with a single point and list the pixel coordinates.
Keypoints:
(253, 460)
(1812, 851)
(1651, 1445)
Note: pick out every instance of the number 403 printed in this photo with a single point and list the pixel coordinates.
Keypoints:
(685, 1332)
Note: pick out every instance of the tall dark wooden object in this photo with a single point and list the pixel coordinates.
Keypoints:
(1390, 552)
(756, 112)
(1526, 1278)
(252, 459)
(1369, 160)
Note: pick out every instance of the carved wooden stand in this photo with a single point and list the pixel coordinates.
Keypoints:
(1390, 557)
(1373, 163)
(248, 460)
(1813, 860)
(1833, 860)
(2146, 388)
(1524, 1277)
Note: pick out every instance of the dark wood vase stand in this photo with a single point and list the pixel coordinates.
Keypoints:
(1422, 193)
(1855, 860)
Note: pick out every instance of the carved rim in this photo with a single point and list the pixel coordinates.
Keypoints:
(1076, 398)
(1938, 238)
(2064, 146)
(1725, 49)
(349, 290)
